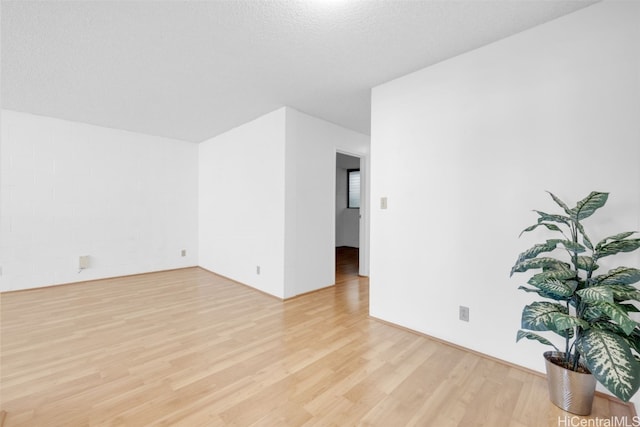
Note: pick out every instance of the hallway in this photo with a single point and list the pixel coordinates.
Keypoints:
(346, 263)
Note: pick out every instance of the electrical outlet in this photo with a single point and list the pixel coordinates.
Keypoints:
(257, 269)
(464, 313)
(184, 252)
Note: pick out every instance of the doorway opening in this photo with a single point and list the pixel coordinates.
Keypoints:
(348, 216)
(347, 264)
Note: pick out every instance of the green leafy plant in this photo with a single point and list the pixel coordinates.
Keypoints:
(589, 311)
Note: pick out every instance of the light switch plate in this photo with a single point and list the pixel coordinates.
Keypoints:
(383, 203)
(83, 262)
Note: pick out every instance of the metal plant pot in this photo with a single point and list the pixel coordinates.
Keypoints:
(569, 390)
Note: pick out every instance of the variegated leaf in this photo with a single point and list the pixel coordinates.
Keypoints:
(625, 293)
(592, 314)
(611, 362)
(585, 239)
(596, 294)
(611, 327)
(572, 246)
(633, 340)
(619, 316)
(536, 337)
(614, 238)
(617, 246)
(587, 263)
(558, 289)
(537, 249)
(566, 287)
(551, 227)
(563, 322)
(587, 206)
(560, 203)
(544, 276)
(619, 276)
(543, 216)
(543, 262)
(542, 293)
(539, 316)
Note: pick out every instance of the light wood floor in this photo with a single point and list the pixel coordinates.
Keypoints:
(190, 348)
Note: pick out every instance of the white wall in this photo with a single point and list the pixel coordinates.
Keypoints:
(133, 202)
(267, 195)
(465, 149)
(312, 144)
(69, 189)
(242, 199)
(347, 220)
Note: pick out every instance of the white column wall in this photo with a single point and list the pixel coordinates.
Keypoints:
(312, 144)
(242, 199)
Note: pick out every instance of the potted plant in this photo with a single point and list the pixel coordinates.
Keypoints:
(587, 308)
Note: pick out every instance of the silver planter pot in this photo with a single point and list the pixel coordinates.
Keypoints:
(569, 390)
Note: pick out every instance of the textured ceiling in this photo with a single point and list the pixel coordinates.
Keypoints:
(191, 70)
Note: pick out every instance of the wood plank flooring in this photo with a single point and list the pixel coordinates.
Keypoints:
(347, 260)
(189, 348)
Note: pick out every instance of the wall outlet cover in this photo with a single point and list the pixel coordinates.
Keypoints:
(464, 313)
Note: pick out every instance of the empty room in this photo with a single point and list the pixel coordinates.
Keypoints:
(320, 213)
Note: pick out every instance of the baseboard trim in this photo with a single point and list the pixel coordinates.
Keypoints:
(304, 294)
(271, 295)
(84, 282)
(630, 405)
(81, 282)
(240, 283)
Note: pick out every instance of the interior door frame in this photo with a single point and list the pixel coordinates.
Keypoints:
(364, 221)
